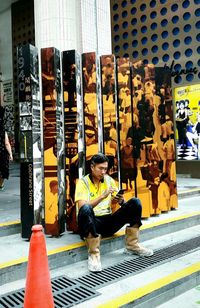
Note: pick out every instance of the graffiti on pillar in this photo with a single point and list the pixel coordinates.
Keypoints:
(90, 104)
(125, 118)
(109, 113)
(53, 142)
(74, 145)
(152, 104)
(30, 138)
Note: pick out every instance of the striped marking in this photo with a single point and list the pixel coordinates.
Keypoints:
(151, 287)
(9, 223)
(189, 191)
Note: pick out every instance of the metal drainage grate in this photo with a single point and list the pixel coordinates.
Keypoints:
(66, 293)
(137, 265)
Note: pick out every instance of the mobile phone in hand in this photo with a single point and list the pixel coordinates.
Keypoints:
(119, 194)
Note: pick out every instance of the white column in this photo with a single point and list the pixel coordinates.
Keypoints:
(56, 24)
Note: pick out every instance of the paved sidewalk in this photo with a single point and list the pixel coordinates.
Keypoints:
(10, 197)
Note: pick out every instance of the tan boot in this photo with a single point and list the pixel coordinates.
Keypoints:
(94, 262)
(132, 245)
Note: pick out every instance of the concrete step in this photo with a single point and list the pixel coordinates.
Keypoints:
(157, 283)
(147, 287)
(69, 249)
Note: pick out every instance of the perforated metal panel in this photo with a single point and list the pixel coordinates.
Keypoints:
(158, 32)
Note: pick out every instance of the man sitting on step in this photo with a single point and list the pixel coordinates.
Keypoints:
(93, 196)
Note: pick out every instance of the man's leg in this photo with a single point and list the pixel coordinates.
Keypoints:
(130, 212)
(87, 229)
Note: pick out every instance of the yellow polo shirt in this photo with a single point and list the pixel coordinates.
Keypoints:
(86, 190)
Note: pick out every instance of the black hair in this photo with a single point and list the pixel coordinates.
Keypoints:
(99, 159)
(164, 176)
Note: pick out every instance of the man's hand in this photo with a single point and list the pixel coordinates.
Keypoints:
(118, 199)
(108, 191)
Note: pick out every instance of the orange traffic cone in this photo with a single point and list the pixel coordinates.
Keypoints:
(38, 291)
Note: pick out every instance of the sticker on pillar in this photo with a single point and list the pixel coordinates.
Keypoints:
(187, 116)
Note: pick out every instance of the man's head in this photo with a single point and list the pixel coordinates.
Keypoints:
(99, 166)
(53, 187)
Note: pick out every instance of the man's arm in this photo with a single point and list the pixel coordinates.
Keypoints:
(96, 201)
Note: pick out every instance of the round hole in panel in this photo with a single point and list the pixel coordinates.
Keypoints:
(126, 55)
(188, 65)
(185, 4)
(133, 1)
(124, 14)
(164, 34)
(154, 37)
(197, 12)
(144, 29)
(176, 43)
(189, 77)
(124, 3)
(165, 57)
(143, 7)
(153, 25)
(133, 10)
(187, 28)
(187, 40)
(155, 60)
(116, 17)
(144, 51)
(198, 62)
(154, 48)
(134, 43)
(163, 11)
(178, 79)
(176, 31)
(153, 3)
(134, 21)
(177, 67)
(198, 37)
(125, 24)
(145, 61)
(125, 46)
(175, 19)
(115, 7)
(176, 55)
(174, 7)
(144, 40)
(116, 38)
(117, 48)
(135, 54)
(165, 46)
(164, 22)
(153, 14)
(125, 35)
(143, 18)
(116, 28)
(198, 49)
(188, 52)
(134, 32)
(163, 1)
(186, 16)
(197, 25)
